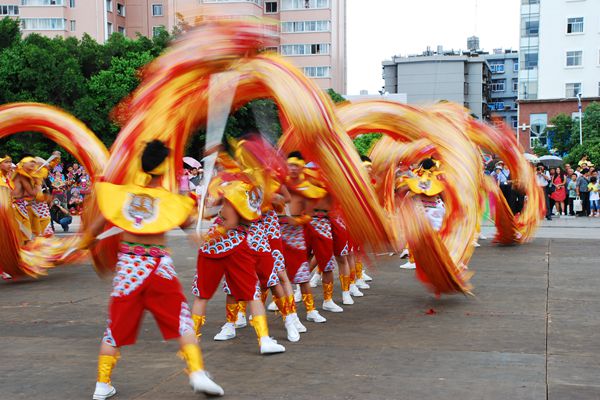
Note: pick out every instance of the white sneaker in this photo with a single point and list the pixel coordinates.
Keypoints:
(6, 276)
(315, 280)
(227, 332)
(297, 294)
(404, 253)
(347, 298)
(361, 284)
(482, 236)
(354, 290)
(241, 322)
(270, 346)
(301, 328)
(314, 316)
(475, 244)
(408, 265)
(103, 391)
(366, 277)
(329, 305)
(272, 306)
(292, 333)
(201, 383)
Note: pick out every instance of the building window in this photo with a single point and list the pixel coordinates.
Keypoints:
(574, 58)
(121, 30)
(303, 4)
(532, 28)
(42, 2)
(9, 10)
(72, 3)
(156, 30)
(497, 67)
(537, 124)
(271, 7)
(514, 122)
(317, 72)
(575, 25)
(109, 5)
(73, 25)
(516, 67)
(305, 49)
(305, 26)
(121, 9)
(572, 89)
(529, 2)
(530, 60)
(43, 24)
(598, 88)
(498, 85)
(109, 28)
(157, 10)
(271, 49)
(515, 85)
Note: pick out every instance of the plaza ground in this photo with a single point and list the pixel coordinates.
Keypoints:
(532, 331)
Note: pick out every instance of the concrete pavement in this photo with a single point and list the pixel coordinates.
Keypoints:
(531, 332)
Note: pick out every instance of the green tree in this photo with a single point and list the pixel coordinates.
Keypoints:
(364, 143)
(335, 96)
(591, 148)
(10, 32)
(590, 122)
(541, 151)
(562, 132)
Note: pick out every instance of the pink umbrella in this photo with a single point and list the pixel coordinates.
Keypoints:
(192, 162)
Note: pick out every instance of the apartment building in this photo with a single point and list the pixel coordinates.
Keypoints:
(312, 32)
(559, 60)
(456, 76)
(504, 66)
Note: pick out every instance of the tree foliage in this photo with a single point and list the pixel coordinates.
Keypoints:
(364, 143)
(83, 77)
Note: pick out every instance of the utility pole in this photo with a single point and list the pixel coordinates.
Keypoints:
(580, 118)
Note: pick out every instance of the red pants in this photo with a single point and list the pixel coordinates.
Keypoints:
(146, 283)
(340, 237)
(239, 267)
(320, 242)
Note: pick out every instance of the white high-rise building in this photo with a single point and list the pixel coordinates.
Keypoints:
(559, 59)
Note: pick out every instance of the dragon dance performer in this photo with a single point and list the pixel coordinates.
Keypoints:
(299, 240)
(7, 184)
(145, 278)
(230, 250)
(24, 193)
(270, 266)
(426, 188)
(328, 244)
(40, 212)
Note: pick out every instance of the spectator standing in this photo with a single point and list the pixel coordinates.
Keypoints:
(559, 181)
(502, 176)
(571, 188)
(583, 192)
(542, 178)
(594, 197)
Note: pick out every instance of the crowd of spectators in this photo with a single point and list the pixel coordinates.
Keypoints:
(68, 185)
(568, 191)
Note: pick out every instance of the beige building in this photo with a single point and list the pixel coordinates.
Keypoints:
(312, 32)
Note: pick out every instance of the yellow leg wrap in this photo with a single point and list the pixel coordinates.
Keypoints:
(281, 305)
(231, 311)
(193, 357)
(291, 304)
(105, 367)
(327, 291)
(242, 307)
(259, 322)
(309, 302)
(352, 276)
(199, 321)
(345, 280)
(359, 269)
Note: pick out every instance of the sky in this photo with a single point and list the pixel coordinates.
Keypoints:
(380, 29)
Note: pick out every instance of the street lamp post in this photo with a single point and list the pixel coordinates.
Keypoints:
(580, 118)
